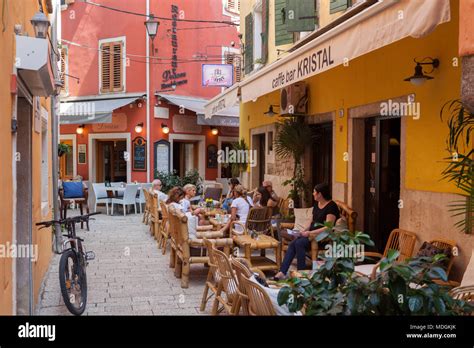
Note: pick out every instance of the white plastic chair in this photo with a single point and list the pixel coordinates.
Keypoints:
(141, 198)
(99, 195)
(129, 197)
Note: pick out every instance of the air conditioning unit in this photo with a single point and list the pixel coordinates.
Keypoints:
(294, 99)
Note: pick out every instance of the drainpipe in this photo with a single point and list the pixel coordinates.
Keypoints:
(148, 97)
(55, 138)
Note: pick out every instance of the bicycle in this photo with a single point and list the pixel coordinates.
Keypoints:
(73, 263)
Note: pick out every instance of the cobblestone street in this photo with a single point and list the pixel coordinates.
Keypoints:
(129, 276)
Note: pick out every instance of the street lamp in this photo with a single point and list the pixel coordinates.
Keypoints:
(41, 24)
(152, 28)
(419, 77)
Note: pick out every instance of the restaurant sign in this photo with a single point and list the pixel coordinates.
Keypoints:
(217, 75)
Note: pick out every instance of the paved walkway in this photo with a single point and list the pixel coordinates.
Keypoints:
(129, 276)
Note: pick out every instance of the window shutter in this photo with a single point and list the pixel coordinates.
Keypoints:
(117, 82)
(301, 15)
(235, 60)
(338, 5)
(265, 15)
(105, 67)
(282, 36)
(248, 43)
(112, 67)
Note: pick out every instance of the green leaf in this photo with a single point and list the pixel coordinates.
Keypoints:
(415, 303)
(283, 295)
(322, 235)
(438, 272)
(439, 305)
(392, 255)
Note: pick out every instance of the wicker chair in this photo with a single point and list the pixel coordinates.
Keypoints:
(346, 212)
(227, 290)
(154, 217)
(147, 211)
(242, 269)
(445, 244)
(259, 302)
(464, 293)
(213, 276)
(400, 240)
(180, 256)
(164, 230)
(259, 220)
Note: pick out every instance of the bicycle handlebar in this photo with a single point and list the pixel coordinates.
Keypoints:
(74, 219)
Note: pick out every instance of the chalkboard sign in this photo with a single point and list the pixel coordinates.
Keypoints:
(139, 155)
(162, 156)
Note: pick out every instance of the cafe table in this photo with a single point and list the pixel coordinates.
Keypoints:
(262, 242)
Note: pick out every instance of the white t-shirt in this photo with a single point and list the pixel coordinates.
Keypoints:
(243, 208)
(177, 206)
(161, 196)
(186, 204)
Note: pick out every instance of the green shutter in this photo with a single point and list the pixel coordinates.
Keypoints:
(264, 35)
(248, 43)
(301, 15)
(338, 5)
(282, 36)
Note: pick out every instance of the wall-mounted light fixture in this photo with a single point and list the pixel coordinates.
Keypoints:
(419, 77)
(80, 129)
(270, 112)
(40, 24)
(139, 127)
(165, 129)
(214, 131)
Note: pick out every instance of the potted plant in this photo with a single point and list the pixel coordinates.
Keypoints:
(290, 143)
(63, 149)
(240, 165)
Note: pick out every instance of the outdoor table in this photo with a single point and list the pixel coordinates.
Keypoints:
(214, 212)
(263, 242)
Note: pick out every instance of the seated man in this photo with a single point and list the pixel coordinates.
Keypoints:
(156, 188)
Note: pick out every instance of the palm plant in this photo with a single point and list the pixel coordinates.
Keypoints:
(240, 165)
(290, 142)
(460, 168)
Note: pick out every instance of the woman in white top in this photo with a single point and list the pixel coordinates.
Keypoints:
(190, 192)
(239, 209)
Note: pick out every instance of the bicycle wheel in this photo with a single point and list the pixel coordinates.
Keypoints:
(73, 282)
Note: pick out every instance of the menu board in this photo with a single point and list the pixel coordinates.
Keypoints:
(162, 156)
(139, 154)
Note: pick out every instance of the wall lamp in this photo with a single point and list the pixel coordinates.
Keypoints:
(214, 131)
(165, 129)
(139, 127)
(80, 129)
(419, 77)
(270, 112)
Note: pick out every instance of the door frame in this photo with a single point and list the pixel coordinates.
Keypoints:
(221, 140)
(93, 149)
(201, 140)
(74, 150)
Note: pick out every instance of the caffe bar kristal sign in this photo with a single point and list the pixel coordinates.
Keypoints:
(217, 75)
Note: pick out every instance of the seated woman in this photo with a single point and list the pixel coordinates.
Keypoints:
(239, 209)
(190, 192)
(324, 210)
(262, 198)
(175, 195)
(230, 195)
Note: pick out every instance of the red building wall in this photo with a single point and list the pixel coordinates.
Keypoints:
(85, 25)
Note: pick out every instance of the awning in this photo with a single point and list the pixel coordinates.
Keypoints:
(379, 25)
(33, 64)
(91, 111)
(225, 103)
(227, 117)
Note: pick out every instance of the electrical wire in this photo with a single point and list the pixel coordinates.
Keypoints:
(157, 17)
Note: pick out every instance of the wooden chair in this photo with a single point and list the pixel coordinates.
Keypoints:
(227, 290)
(213, 276)
(446, 244)
(464, 293)
(154, 218)
(242, 269)
(259, 220)
(180, 256)
(147, 211)
(400, 240)
(346, 212)
(164, 231)
(259, 301)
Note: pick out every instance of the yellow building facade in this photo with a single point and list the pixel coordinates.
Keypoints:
(25, 140)
(350, 99)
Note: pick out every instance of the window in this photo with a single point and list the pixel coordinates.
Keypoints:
(112, 66)
(257, 32)
(64, 71)
(270, 144)
(232, 6)
(44, 162)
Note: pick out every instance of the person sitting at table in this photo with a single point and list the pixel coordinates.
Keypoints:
(156, 189)
(230, 195)
(189, 193)
(175, 195)
(262, 198)
(324, 210)
(239, 209)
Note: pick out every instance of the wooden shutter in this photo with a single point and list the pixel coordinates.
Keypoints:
(112, 67)
(265, 16)
(235, 60)
(282, 36)
(64, 80)
(248, 43)
(301, 15)
(338, 5)
(233, 6)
